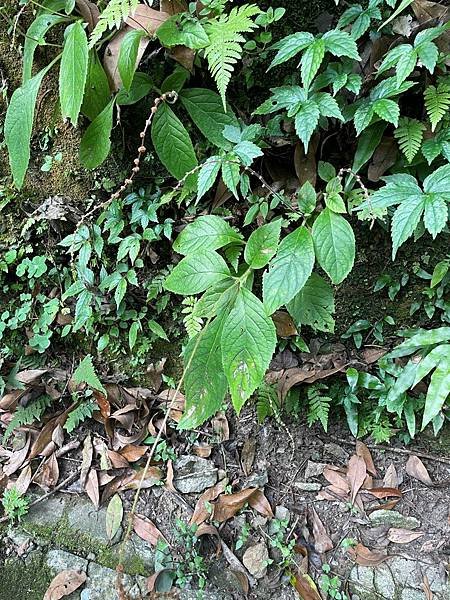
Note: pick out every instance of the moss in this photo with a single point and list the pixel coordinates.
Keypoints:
(25, 580)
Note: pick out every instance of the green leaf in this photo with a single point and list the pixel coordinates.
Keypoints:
(120, 291)
(97, 93)
(306, 121)
(172, 142)
(156, 328)
(334, 242)
(438, 182)
(196, 272)
(363, 116)
(335, 203)
(35, 37)
(73, 72)
(439, 272)
(400, 188)
(400, 8)
(205, 383)
(436, 213)
(405, 65)
(231, 174)
(428, 54)
(314, 305)
(409, 134)
(114, 516)
(311, 60)
(85, 373)
(207, 232)
(291, 45)
(175, 32)
(420, 340)
(208, 175)
(429, 362)
(206, 110)
(438, 390)
(262, 244)
(95, 143)
(247, 152)
(128, 54)
(19, 125)
(132, 334)
(216, 298)
(437, 102)
(248, 343)
(140, 87)
(289, 270)
(328, 106)
(341, 43)
(405, 220)
(388, 110)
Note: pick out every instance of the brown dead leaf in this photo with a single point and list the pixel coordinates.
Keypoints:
(17, 459)
(117, 460)
(370, 355)
(146, 530)
(44, 444)
(365, 557)
(64, 584)
(30, 376)
(356, 474)
(102, 403)
(383, 158)
(336, 479)
(222, 194)
(248, 455)
(111, 56)
(322, 541)
(383, 492)
(229, 504)
(416, 469)
(184, 56)
(169, 477)
(47, 477)
(305, 164)
(147, 18)
(220, 427)
(202, 449)
(152, 476)
(284, 324)
(396, 535)
(207, 529)
(363, 451)
(201, 512)
(390, 479)
(22, 483)
(172, 7)
(10, 400)
(133, 453)
(86, 461)
(92, 488)
(89, 11)
(426, 588)
(306, 587)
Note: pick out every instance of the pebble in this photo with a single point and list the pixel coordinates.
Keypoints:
(255, 560)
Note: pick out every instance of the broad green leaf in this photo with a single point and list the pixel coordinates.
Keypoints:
(439, 272)
(340, 43)
(35, 36)
(96, 143)
(399, 189)
(291, 45)
(73, 72)
(428, 54)
(436, 213)
(196, 272)
(334, 243)
(97, 93)
(328, 106)
(85, 373)
(128, 53)
(402, 383)
(206, 110)
(405, 65)
(289, 269)
(216, 298)
(132, 334)
(207, 232)
(311, 60)
(405, 220)
(439, 182)
(314, 305)
(438, 390)
(172, 142)
(420, 340)
(19, 125)
(335, 203)
(114, 516)
(208, 175)
(430, 361)
(262, 244)
(363, 116)
(231, 174)
(248, 343)
(156, 328)
(205, 384)
(140, 87)
(306, 121)
(247, 152)
(120, 291)
(176, 80)
(190, 33)
(388, 110)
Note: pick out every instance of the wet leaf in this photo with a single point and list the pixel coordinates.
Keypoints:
(229, 504)
(415, 468)
(64, 584)
(363, 451)
(322, 541)
(403, 536)
(365, 557)
(146, 530)
(356, 474)
(114, 516)
(92, 488)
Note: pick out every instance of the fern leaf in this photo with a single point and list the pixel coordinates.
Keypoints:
(25, 415)
(82, 412)
(225, 43)
(192, 323)
(409, 134)
(115, 12)
(437, 102)
(318, 406)
(267, 403)
(85, 373)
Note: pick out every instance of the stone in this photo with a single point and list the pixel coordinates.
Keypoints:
(282, 513)
(392, 518)
(59, 560)
(101, 583)
(384, 581)
(83, 517)
(410, 594)
(307, 486)
(46, 514)
(336, 451)
(194, 474)
(314, 469)
(255, 560)
(257, 480)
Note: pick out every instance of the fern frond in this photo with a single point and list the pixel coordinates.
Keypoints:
(267, 403)
(115, 12)
(409, 134)
(437, 102)
(225, 43)
(191, 323)
(82, 412)
(318, 406)
(25, 415)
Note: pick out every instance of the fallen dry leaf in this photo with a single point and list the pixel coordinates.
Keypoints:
(114, 516)
(397, 535)
(365, 557)
(111, 56)
(336, 479)
(390, 479)
(17, 459)
(356, 474)
(86, 460)
(172, 7)
(47, 477)
(146, 18)
(133, 453)
(220, 427)
(415, 468)
(202, 449)
(426, 588)
(383, 492)
(89, 11)
(22, 483)
(64, 584)
(363, 451)
(383, 158)
(92, 488)
(229, 504)
(207, 529)
(305, 164)
(306, 587)
(322, 541)
(146, 530)
(248, 455)
(284, 324)
(201, 512)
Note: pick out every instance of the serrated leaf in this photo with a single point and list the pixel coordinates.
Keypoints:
(306, 121)
(206, 110)
(328, 106)
(114, 516)
(314, 305)
(208, 175)
(399, 188)
(205, 382)
(428, 54)
(334, 243)
(438, 182)
(388, 110)
(248, 343)
(289, 270)
(405, 65)
(231, 174)
(311, 60)
(128, 54)
(291, 45)
(73, 72)
(436, 213)
(85, 373)
(196, 272)
(190, 33)
(218, 297)
(262, 244)
(172, 142)
(35, 36)
(438, 390)
(363, 116)
(207, 232)
(247, 152)
(97, 94)
(96, 143)
(405, 220)
(340, 43)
